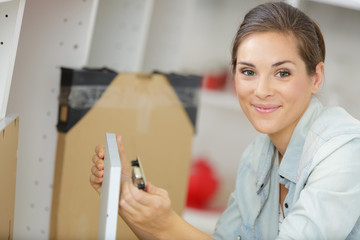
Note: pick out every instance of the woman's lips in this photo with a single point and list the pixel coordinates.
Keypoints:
(268, 108)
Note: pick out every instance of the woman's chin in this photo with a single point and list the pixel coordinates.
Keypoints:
(265, 128)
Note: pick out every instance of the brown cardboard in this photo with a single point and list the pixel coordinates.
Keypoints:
(146, 112)
(8, 150)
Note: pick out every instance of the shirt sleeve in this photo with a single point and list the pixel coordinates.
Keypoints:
(329, 205)
(228, 225)
(230, 218)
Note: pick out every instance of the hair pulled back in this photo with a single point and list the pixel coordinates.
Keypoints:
(284, 18)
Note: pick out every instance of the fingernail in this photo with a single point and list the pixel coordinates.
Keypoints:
(100, 154)
(148, 187)
(119, 138)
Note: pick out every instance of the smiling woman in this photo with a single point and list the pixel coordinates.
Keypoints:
(299, 179)
(272, 84)
(301, 171)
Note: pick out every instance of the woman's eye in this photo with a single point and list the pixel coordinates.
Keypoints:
(283, 74)
(248, 73)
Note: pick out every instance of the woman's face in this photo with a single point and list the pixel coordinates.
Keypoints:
(272, 83)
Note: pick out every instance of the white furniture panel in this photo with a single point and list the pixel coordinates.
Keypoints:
(54, 33)
(110, 190)
(11, 14)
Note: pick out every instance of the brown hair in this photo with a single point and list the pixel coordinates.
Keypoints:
(283, 18)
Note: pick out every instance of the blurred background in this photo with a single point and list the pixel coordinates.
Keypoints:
(183, 37)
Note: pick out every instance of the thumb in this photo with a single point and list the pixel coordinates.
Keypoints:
(150, 188)
(125, 165)
(120, 148)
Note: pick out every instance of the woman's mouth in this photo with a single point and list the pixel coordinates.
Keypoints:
(267, 108)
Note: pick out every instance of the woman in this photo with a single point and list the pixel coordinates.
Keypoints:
(300, 179)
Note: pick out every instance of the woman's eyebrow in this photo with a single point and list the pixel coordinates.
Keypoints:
(282, 62)
(274, 65)
(247, 64)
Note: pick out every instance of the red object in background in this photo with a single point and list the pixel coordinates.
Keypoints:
(203, 184)
(214, 81)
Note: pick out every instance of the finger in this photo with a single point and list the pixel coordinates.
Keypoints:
(122, 153)
(135, 195)
(143, 198)
(100, 164)
(121, 148)
(98, 173)
(100, 151)
(98, 161)
(96, 186)
(128, 201)
(125, 165)
(151, 189)
(95, 180)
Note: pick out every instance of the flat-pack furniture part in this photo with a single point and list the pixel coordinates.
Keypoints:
(110, 189)
(11, 15)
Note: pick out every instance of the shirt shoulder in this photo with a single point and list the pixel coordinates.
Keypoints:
(333, 129)
(333, 122)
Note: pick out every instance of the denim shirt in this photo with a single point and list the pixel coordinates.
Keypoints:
(320, 168)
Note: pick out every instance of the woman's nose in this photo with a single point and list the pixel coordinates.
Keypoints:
(264, 88)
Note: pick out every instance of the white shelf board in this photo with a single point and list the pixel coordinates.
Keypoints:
(352, 4)
(11, 15)
(110, 190)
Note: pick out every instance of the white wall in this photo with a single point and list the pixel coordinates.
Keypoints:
(341, 30)
(120, 34)
(193, 36)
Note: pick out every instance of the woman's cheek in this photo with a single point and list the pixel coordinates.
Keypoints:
(243, 89)
(298, 89)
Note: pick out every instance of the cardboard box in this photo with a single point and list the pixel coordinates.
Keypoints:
(80, 89)
(146, 112)
(9, 127)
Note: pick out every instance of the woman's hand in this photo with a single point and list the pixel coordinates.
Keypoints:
(150, 216)
(97, 170)
(149, 211)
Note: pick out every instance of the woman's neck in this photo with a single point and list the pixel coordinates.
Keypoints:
(280, 143)
(282, 138)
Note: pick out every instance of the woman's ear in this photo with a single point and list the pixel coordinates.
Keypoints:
(317, 78)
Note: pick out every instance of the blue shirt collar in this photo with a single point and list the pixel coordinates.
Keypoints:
(291, 159)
